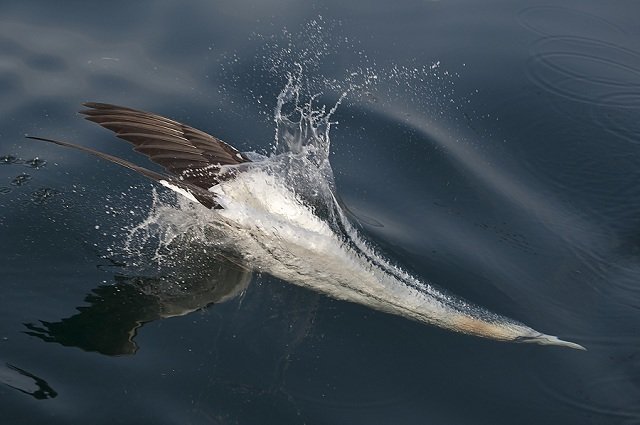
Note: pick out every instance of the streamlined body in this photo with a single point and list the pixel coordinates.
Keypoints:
(271, 220)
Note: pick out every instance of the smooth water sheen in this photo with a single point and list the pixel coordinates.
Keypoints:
(489, 149)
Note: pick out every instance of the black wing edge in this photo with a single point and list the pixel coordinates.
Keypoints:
(203, 196)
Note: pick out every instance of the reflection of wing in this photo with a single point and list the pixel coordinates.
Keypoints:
(27, 383)
(193, 158)
(110, 321)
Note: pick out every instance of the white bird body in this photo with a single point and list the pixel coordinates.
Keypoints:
(276, 232)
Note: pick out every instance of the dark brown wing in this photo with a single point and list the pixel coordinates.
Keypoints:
(191, 155)
(201, 195)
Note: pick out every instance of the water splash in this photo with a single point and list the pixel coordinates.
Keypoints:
(170, 225)
(303, 127)
(175, 228)
(280, 215)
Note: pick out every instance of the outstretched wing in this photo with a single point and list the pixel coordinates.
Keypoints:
(191, 155)
(193, 192)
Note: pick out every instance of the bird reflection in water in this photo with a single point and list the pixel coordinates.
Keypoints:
(109, 323)
(26, 382)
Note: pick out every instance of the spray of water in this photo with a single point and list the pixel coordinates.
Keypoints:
(280, 215)
(176, 228)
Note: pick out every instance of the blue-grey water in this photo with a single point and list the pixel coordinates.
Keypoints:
(493, 148)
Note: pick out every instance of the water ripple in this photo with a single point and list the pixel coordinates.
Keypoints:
(558, 20)
(10, 159)
(36, 163)
(21, 179)
(606, 387)
(586, 70)
(623, 120)
(43, 195)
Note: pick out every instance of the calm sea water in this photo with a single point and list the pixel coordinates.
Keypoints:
(497, 155)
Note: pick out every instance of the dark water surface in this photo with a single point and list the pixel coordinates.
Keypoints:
(509, 174)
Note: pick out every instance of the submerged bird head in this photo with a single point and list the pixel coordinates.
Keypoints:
(490, 325)
(542, 339)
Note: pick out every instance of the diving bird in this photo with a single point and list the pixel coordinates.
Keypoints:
(279, 215)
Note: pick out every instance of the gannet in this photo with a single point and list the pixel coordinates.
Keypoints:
(274, 228)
